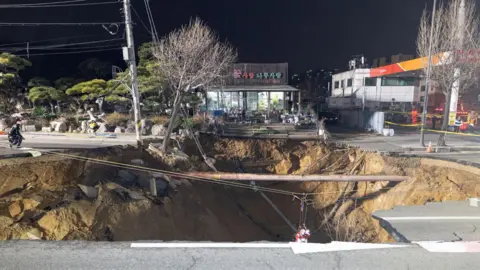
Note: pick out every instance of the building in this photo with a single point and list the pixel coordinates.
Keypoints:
(397, 58)
(359, 89)
(314, 85)
(254, 88)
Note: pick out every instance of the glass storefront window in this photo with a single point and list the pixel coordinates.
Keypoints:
(276, 100)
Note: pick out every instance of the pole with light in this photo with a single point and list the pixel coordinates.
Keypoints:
(427, 79)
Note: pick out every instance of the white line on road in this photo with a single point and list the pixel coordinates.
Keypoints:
(210, 245)
(433, 218)
(297, 248)
(450, 247)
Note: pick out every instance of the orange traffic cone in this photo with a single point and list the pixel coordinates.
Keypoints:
(429, 147)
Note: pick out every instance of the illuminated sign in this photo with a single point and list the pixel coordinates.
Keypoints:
(239, 74)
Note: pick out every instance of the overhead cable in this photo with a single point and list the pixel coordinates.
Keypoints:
(59, 24)
(140, 18)
(60, 45)
(87, 51)
(46, 40)
(57, 5)
(46, 3)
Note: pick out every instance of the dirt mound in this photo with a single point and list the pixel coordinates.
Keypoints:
(40, 197)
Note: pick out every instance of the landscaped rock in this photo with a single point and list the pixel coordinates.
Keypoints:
(47, 129)
(59, 126)
(158, 130)
(83, 126)
(102, 128)
(119, 130)
(3, 124)
(146, 126)
(29, 128)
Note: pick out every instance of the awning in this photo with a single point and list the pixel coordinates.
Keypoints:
(254, 88)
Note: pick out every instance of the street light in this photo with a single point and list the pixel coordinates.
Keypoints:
(427, 79)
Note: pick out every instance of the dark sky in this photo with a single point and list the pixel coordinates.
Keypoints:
(308, 34)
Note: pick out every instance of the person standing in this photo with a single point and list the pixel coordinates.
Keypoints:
(458, 124)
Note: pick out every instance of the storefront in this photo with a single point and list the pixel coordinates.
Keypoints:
(253, 88)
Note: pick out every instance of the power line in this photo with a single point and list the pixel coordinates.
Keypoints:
(77, 52)
(83, 48)
(46, 3)
(57, 5)
(143, 23)
(46, 40)
(62, 45)
(60, 24)
(68, 49)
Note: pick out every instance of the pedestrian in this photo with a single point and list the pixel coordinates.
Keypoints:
(458, 124)
(434, 121)
(14, 136)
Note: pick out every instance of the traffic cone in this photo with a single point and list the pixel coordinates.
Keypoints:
(429, 147)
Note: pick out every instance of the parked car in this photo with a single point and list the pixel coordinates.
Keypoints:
(330, 118)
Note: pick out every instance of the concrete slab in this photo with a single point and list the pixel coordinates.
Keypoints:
(440, 221)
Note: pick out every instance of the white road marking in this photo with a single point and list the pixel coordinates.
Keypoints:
(301, 248)
(210, 245)
(297, 248)
(450, 247)
(433, 218)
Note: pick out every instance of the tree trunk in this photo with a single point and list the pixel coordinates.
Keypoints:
(100, 105)
(446, 116)
(52, 107)
(176, 109)
(59, 107)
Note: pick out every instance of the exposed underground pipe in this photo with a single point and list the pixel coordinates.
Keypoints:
(298, 178)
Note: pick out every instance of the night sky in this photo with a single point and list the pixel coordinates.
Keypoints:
(308, 34)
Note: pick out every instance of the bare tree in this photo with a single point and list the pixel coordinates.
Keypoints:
(189, 58)
(455, 44)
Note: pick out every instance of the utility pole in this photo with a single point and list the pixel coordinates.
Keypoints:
(129, 56)
(427, 79)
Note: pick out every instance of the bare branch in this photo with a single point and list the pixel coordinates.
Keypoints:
(191, 57)
(456, 37)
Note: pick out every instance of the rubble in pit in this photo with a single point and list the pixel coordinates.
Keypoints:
(54, 198)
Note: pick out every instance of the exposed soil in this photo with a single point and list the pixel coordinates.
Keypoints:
(40, 199)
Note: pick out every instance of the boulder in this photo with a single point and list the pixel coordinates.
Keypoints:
(158, 130)
(30, 203)
(47, 129)
(15, 209)
(146, 126)
(162, 187)
(3, 124)
(32, 234)
(102, 128)
(126, 178)
(90, 192)
(83, 126)
(59, 126)
(119, 130)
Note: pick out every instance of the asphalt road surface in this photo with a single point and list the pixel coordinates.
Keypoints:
(106, 255)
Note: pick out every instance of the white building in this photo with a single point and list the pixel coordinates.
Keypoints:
(356, 89)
